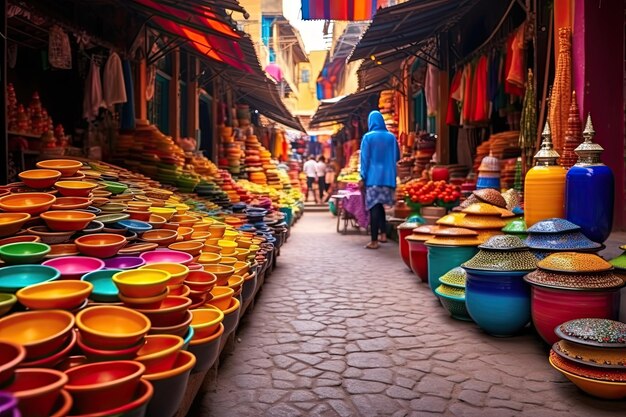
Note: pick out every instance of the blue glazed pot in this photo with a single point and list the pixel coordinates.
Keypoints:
(441, 259)
(589, 195)
(498, 301)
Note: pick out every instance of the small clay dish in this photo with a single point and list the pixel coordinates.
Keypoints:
(75, 188)
(66, 167)
(39, 178)
(71, 203)
(137, 248)
(31, 203)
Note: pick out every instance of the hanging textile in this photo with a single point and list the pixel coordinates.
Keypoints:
(480, 108)
(452, 115)
(419, 106)
(510, 88)
(561, 90)
(113, 86)
(516, 74)
(59, 50)
(528, 123)
(92, 100)
(431, 88)
(468, 97)
(350, 10)
(128, 108)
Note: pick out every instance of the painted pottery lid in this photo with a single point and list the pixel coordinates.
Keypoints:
(588, 152)
(504, 243)
(456, 277)
(553, 225)
(486, 234)
(419, 237)
(482, 209)
(504, 213)
(427, 229)
(592, 355)
(490, 260)
(452, 292)
(586, 371)
(594, 332)
(512, 198)
(408, 225)
(453, 241)
(597, 281)
(570, 241)
(620, 261)
(491, 196)
(452, 219)
(546, 155)
(454, 231)
(574, 262)
(476, 221)
(515, 226)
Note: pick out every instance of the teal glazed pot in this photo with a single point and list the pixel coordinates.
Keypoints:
(441, 259)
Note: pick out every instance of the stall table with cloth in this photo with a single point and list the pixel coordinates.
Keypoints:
(350, 211)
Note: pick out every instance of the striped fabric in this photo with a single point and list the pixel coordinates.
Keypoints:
(351, 10)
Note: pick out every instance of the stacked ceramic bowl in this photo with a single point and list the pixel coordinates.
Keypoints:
(592, 354)
(570, 286)
(484, 218)
(558, 235)
(489, 173)
(486, 195)
(497, 297)
(451, 293)
(418, 252)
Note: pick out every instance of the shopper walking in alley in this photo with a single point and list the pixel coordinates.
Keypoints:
(310, 170)
(320, 170)
(379, 155)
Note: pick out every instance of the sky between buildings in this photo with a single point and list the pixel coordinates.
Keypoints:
(310, 30)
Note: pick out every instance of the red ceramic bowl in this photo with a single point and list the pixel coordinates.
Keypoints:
(74, 267)
(418, 259)
(41, 332)
(178, 329)
(142, 395)
(75, 188)
(111, 327)
(101, 386)
(95, 354)
(160, 352)
(39, 178)
(53, 360)
(36, 390)
(100, 245)
(552, 307)
(67, 220)
(404, 245)
(71, 203)
(11, 355)
(200, 281)
(63, 405)
(31, 203)
(171, 311)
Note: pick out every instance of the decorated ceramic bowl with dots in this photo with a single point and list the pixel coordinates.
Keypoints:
(586, 371)
(594, 332)
(499, 260)
(553, 225)
(491, 196)
(597, 281)
(504, 243)
(517, 226)
(591, 355)
(456, 277)
(574, 262)
(567, 241)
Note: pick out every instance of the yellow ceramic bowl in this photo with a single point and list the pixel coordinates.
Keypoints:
(177, 272)
(142, 283)
(228, 260)
(164, 212)
(222, 297)
(235, 282)
(205, 321)
(228, 246)
(191, 247)
(243, 242)
(242, 254)
(63, 294)
(207, 258)
(241, 267)
(230, 235)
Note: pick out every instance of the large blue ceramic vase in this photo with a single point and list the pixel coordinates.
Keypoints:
(589, 190)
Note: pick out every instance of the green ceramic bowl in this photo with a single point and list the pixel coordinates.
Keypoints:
(114, 187)
(104, 289)
(7, 301)
(619, 262)
(23, 252)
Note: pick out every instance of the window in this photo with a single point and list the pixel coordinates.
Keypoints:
(266, 35)
(305, 75)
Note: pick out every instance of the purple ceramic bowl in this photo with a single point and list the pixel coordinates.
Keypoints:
(159, 256)
(124, 262)
(8, 404)
(74, 267)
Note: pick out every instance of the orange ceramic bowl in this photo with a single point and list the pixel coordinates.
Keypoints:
(100, 245)
(222, 272)
(228, 260)
(41, 333)
(71, 203)
(178, 329)
(39, 178)
(241, 268)
(20, 238)
(235, 282)
(11, 354)
(104, 385)
(162, 237)
(67, 221)
(201, 227)
(184, 220)
(241, 254)
(184, 232)
(64, 294)
(205, 321)
(171, 311)
(144, 302)
(211, 249)
(11, 223)
(228, 246)
(102, 355)
(160, 352)
(62, 249)
(191, 247)
(200, 281)
(75, 188)
(66, 167)
(156, 221)
(37, 390)
(184, 362)
(31, 203)
(141, 215)
(221, 297)
(111, 327)
(182, 291)
(208, 258)
(177, 272)
(142, 282)
(217, 230)
(200, 236)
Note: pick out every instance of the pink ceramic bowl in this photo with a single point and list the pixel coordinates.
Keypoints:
(74, 267)
(167, 256)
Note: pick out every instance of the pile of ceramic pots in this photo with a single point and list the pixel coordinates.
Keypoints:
(418, 252)
(486, 195)
(570, 286)
(497, 297)
(451, 293)
(558, 235)
(592, 354)
(113, 289)
(484, 218)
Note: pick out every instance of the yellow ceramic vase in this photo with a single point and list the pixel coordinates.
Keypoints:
(544, 193)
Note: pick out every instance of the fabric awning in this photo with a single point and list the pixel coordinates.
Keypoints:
(351, 10)
(331, 111)
(406, 26)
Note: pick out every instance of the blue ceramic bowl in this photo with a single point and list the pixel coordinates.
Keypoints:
(483, 182)
(566, 241)
(136, 226)
(187, 338)
(498, 301)
(104, 290)
(14, 278)
(441, 259)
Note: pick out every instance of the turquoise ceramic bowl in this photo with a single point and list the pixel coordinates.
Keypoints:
(23, 252)
(441, 259)
(16, 277)
(454, 305)
(104, 290)
(136, 226)
(187, 338)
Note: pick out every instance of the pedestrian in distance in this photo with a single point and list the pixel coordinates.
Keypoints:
(320, 171)
(310, 171)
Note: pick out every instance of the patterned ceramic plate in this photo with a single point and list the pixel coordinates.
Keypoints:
(513, 261)
(482, 209)
(594, 332)
(591, 356)
(574, 262)
(601, 281)
(560, 241)
(553, 225)
(602, 374)
(505, 243)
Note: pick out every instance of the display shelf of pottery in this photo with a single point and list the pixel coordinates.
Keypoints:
(449, 248)
(592, 355)
(558, 235)
(497, 297)
(451, 293)
(418, 252)
(570, 286)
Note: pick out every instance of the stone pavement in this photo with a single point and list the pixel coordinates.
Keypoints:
(342, 331)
